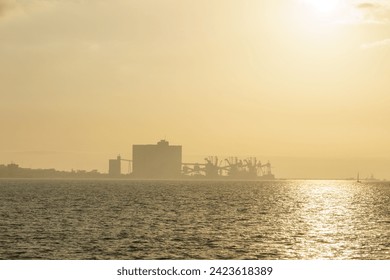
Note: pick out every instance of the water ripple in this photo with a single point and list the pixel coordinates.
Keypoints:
(81, 219)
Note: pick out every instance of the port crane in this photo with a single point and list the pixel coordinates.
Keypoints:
(248, 168)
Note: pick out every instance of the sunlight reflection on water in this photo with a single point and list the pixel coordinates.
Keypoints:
(49, 219)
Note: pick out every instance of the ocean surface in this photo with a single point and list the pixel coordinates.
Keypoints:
(108, 219)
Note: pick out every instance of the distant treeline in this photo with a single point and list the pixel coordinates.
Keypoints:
(14, 171)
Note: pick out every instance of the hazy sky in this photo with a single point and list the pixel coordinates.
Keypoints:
(288, 80)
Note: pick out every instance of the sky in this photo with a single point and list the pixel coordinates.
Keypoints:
(302, 83)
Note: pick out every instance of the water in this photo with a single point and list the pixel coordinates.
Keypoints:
(84, 219)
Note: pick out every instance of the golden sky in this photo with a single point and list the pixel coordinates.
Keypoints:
(83, 80)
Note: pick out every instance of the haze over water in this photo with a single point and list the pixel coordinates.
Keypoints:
(83, 219)
(302, 83)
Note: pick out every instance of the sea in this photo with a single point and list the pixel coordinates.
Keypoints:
(187, 220)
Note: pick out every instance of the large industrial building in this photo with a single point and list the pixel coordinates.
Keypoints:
(161, 161)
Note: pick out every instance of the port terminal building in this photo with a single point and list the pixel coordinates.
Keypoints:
(151, 161)
(164, 161)
(159, 161)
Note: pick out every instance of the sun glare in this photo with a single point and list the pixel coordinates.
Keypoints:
(323, 6)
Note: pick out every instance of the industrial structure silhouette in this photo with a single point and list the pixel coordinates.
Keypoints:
(164, 161)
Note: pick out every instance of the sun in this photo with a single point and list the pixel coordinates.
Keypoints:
(323, 6)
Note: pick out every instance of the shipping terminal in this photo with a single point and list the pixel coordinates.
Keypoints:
(164, 161)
